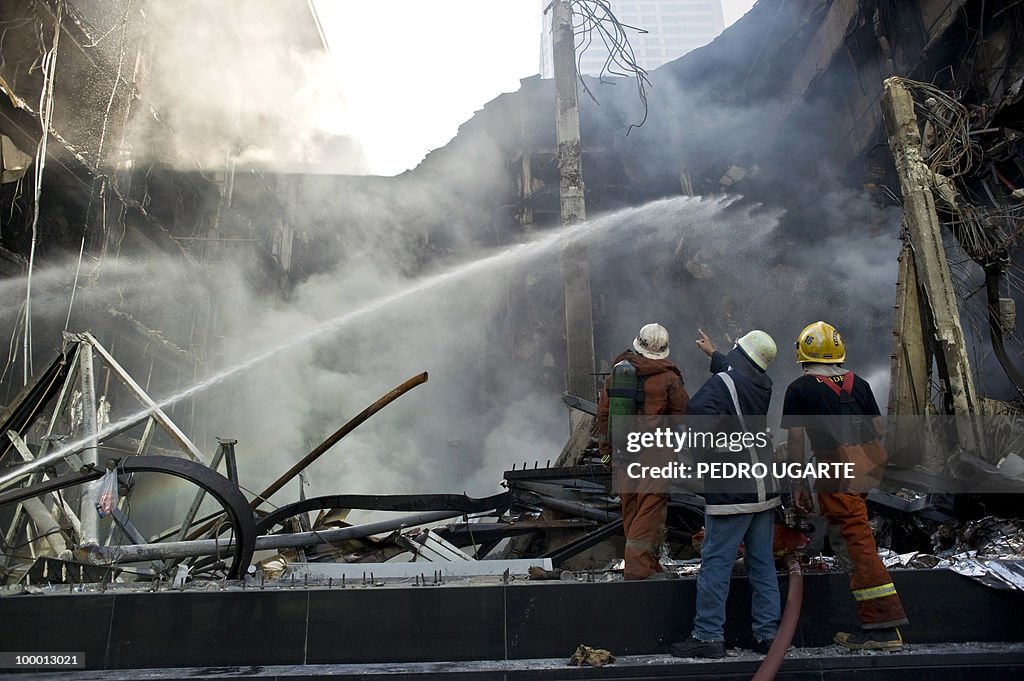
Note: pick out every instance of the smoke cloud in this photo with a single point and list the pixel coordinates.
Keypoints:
(245, 82)
(798, 246)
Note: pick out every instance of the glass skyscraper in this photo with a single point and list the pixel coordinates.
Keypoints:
(674, 27)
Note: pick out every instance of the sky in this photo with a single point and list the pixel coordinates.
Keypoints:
(412, 71)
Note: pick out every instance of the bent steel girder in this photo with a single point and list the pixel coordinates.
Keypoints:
(381, 502)
(216, 485)
(567, 551)
(27, 406)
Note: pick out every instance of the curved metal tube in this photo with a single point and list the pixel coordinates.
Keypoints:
(377, 502)
(129, 553)
(215, 484)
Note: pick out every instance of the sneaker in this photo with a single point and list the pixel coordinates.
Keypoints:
(762, 646)
(694, 647)
(871, 639)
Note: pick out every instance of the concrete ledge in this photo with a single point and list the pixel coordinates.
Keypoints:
(955, 662)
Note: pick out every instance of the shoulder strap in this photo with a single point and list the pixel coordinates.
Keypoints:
(850, 407)
(731, 387)
(831, 385)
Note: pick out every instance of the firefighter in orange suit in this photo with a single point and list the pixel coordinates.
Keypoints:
(645, 502)
(815, 407)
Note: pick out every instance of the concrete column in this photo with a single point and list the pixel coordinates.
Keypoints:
(933, 275)
(579, 325)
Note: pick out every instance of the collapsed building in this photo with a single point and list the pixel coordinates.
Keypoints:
(789, 114)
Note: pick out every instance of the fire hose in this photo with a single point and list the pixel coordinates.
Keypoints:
(787, 626)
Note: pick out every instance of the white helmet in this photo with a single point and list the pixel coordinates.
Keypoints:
(652, 342)
(759, 347)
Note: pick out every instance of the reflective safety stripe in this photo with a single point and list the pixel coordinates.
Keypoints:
(873, 592)
(730, 385)
(639, 544)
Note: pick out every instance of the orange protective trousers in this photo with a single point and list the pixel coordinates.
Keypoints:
(643, 523)
(878, 604)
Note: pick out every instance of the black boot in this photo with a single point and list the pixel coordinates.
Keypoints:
(694, 647)
(871, 639)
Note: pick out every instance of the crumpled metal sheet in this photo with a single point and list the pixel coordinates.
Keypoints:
(987, 550)
(683, 568)
(686, 570)
(926, 561)
(989, 537)
(994, 572)
(889, 557)
(1010, 571)
(823, 563)
(967, 565)
(274, 566)
(990, 550)
(913, 559)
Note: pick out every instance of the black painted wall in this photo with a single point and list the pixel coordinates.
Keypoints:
(454, 622)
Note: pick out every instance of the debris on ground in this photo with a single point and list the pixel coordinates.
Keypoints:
(585, 656)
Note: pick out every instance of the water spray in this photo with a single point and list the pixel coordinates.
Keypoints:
(506, 258)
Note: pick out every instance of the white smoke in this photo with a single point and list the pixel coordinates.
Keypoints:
(248, 82)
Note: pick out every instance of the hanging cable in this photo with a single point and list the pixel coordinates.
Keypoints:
(596, 17)
(45, 118)
(12, 350)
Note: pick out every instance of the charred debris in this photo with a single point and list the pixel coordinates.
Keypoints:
(865, 110)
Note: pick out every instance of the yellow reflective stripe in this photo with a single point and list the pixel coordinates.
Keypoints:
(873, 592)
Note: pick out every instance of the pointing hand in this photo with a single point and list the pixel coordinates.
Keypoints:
(705, 344)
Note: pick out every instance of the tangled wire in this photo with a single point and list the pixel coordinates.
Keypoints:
(594, 20)
(987, 227)
(947, 142)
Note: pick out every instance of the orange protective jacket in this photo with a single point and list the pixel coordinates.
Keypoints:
(664, 394)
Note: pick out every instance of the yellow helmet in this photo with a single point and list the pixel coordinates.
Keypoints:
(820, 343)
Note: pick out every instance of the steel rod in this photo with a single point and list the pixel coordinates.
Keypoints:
(207, 547)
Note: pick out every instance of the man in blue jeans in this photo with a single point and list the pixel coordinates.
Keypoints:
(737, 510)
